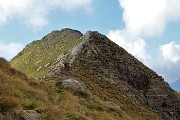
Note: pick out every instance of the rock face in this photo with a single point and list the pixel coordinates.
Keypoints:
(95, 54)
(104, 59)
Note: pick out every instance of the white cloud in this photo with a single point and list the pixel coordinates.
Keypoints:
(35, 12)
(9, 50)
(71, 4)
(135, 46)
(142, 16)
(10, 9)
(169, 61)
(171, 52)
(145, 19)
(149, 17)
(37, 21)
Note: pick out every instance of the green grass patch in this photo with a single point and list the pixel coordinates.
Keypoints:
(93, 105)
(36, 56)
(29, 105)
(74, 116)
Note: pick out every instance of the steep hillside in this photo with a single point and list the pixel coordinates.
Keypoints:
(19, 97)
(24, 99)
(109, 73)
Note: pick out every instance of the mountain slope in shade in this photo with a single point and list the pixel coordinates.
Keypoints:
(176, 85)
(107, 70)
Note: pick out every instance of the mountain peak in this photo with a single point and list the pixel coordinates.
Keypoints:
(69, 30)
(93, 34)
(63, 32)
(102, 65)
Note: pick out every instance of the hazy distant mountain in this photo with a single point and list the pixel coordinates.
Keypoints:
(90, 77)
(176, 85)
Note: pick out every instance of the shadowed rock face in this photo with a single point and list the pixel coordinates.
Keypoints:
(103, 58)
(106, 61)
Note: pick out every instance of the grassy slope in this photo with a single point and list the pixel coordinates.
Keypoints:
(40, 53)
(18, 93)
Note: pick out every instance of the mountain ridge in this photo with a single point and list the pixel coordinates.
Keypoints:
(102, 65)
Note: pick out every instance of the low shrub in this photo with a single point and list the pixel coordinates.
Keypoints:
(81, 94)
(29, 105)
(8, 103)
(51, 113)
(73, 116)
(93, 105)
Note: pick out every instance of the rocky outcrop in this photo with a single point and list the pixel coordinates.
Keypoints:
(23, 115)
(106, 60)
(29, 115)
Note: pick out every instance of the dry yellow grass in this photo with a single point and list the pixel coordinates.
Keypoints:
(17, 92)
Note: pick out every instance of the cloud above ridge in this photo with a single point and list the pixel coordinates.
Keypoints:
(169, 61)
(171, 52)
(35, 12)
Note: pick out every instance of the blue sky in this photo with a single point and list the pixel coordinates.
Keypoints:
(148, 29)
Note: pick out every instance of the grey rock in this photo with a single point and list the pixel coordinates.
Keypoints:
(9, 116)
(73, 84)
(30, 115)
(39, 69)
(47, 65)
(116, 107)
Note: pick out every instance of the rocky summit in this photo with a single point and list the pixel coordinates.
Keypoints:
(102, 79)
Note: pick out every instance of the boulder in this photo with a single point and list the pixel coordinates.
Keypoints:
(73, 84)
(29, 115)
